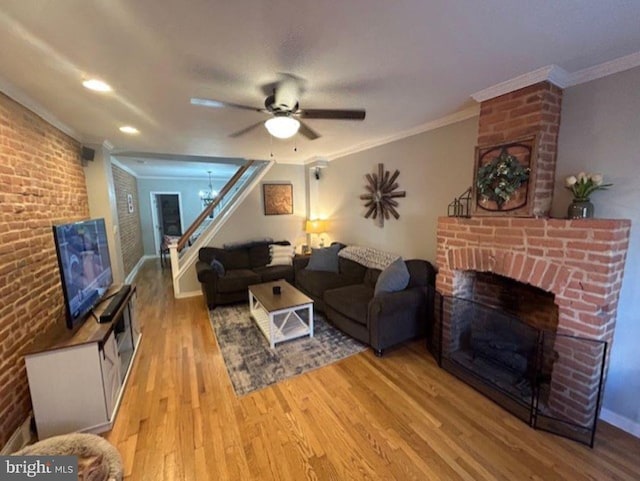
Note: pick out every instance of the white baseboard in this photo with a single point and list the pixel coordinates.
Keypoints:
(183, 295)
(134, 272)
(626, 424)
(18, 439)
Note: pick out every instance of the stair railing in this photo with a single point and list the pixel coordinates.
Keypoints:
(209, 208)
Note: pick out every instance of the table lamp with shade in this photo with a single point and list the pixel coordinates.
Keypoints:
(316, 227)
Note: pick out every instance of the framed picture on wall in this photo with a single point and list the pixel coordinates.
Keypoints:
(278, 199)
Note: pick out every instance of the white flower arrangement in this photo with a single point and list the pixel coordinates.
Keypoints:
(584, 184)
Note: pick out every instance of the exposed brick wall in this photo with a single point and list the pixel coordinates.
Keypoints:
(530, 110)
(41, 183)
(580, 261)
(128, 222)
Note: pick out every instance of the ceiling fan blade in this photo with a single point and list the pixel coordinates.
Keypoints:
(332, 114)
(308, 132)
(219, 104)
(246, 129)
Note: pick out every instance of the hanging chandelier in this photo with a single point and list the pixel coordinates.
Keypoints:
(208, 196)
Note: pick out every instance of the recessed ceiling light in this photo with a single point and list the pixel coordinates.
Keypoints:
(127, 129)
(97, 85)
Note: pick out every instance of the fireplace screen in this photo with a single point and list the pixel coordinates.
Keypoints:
(551, 381)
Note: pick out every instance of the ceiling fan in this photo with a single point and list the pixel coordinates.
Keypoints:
(285, 114)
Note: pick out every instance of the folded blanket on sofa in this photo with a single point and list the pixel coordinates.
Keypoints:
(368, 256)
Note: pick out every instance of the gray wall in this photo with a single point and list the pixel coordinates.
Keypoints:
(600, 132)
(249, 222)
(434, 167)
(191, 204)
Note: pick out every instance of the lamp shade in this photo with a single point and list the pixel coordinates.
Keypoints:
(282, 126)
(315, 226)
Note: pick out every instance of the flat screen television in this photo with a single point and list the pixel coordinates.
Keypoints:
(85, 267)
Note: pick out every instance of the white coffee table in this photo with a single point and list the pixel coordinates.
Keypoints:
(281, 317)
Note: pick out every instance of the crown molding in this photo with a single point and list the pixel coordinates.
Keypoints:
(551, 73)
(604, 69)
(19, 96)
(559, 77)
(316, 161)
(435, 124)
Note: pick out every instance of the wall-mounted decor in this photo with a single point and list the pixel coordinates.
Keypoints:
(130, 203)
(381, 192)
(278, 199)
(503, 178)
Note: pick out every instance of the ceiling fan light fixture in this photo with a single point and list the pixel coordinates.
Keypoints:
(282, 126)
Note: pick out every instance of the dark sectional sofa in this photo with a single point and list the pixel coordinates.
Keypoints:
(382, 321)
(346, 297)
(243, 265)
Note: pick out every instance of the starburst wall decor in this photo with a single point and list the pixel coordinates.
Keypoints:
(381, 192)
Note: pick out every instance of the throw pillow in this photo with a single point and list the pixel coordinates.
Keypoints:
(218, 267)
(281, 255)
(394, 278)
(276, 249)
(324, 259)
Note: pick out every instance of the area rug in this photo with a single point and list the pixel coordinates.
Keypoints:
(251, 362)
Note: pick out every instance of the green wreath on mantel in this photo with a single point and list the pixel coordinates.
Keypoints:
(499, 179)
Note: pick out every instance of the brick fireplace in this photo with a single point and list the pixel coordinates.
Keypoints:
(579, 263)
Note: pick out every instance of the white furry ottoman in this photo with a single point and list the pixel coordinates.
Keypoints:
(97, 459)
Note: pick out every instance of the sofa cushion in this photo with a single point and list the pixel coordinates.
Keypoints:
(237, 280)
(350, 301)
(324, 259)
(245, 244)
(394, 278)
(258, 255)
(207, 254)
(315, 283)
(234, 258)
(371, 277)
(351, 270)
(273, 273)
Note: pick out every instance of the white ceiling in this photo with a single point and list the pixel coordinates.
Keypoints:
(158, 166)
(407, 62)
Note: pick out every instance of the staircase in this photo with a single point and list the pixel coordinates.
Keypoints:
(184, 253)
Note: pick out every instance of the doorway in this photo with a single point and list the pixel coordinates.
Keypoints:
(166, 215)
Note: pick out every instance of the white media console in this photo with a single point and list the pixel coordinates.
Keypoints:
(77, 378)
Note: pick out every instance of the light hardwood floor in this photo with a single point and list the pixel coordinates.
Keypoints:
(399, 417)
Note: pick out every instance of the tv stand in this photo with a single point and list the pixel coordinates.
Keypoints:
(77, 378)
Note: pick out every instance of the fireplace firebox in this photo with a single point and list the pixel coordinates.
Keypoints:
(516, 364)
